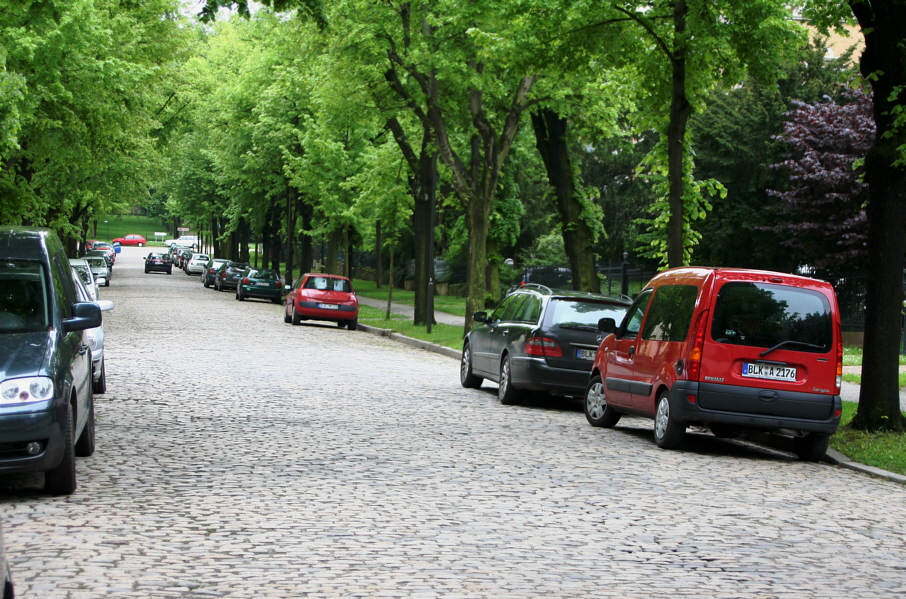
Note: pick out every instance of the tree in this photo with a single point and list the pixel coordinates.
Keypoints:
(824, 202)
(883, 65)
(693, 45)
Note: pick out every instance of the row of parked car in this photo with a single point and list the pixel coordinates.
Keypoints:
(731, 350)
(313, 296)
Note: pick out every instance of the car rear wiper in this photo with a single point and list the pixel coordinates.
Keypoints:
(790, 342)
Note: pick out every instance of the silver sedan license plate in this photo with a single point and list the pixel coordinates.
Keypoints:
(773, 372)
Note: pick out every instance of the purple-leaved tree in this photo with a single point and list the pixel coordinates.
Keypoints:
(824, 218)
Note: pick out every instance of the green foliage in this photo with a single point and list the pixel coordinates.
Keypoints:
(697, 197)
(81, 96)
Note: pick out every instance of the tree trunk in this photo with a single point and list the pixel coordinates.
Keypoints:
(333, 252)
(680, 110)
(424, 186)
(347, 254)
(884, 65)
(243, 238)
(378, 252)
(306, 254)
(390, 286)
(478, 219)
(292, 198)
(578, 239)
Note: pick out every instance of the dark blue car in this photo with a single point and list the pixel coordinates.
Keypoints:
(46, 400)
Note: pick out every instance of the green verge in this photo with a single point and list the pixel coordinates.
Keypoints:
(441, 334)
(118, 225)
(881, 450)
(450, 304)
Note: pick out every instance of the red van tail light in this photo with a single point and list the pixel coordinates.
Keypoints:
(838, 380)
(544, 347)
(698, 343)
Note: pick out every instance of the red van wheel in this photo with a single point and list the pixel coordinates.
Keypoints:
(668, 431)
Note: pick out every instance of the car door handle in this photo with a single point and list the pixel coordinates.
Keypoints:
(631, 350)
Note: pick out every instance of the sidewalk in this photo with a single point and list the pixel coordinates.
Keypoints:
(409, 311)
(850, 391)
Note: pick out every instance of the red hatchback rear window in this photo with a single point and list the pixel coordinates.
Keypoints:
(766, 315)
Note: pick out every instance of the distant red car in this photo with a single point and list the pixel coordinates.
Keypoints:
(131, 239)
(316, 296)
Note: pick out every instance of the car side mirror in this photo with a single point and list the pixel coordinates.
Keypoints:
(85, 315)
(480, 317)
(607, 325)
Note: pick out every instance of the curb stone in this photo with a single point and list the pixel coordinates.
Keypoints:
(832, 456)
(835, 457)
(426, 345)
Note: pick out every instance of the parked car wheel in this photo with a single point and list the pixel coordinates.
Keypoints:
(352, 324)
(507, 394)
(239, 295)
(62, 479)
(100, 386)
(597, 411)
(812, 446)
(170, 271)
(277, 300)
(204, 281)
(286, 317)
(466, 378)
(668, 432)
(107, 282)
(297, 318)
(84, 447)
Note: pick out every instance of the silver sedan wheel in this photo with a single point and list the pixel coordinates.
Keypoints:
(596, 401)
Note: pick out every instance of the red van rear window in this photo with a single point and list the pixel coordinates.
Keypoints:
(767, 315)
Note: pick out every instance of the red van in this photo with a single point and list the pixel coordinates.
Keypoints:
(729, 349)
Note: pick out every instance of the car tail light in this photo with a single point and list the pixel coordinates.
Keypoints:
(838, 380)
(223, 275)
(695, 354)
(276, 283)
(543, 346)
(246, 281)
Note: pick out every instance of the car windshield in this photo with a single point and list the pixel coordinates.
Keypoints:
(764, 315)
(577, 313)
(84, 274)
(96, 261)
(200, 258)
(328, 284)
(23, 297)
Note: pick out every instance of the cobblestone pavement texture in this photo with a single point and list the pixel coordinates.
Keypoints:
(240, 456)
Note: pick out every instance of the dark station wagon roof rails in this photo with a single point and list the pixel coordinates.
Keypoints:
(537, 287)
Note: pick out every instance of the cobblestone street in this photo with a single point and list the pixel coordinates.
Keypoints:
(239, 456)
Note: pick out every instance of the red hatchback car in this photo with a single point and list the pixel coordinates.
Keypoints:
(131, 239)
(729, 349)
(316, 296)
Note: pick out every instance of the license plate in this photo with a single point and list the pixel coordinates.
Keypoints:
(261, 283)
(772, 372)
(585, 354)
(329, 306)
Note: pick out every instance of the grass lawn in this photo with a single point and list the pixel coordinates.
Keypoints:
(441, 334)
(442, 303)
(118, 225)
(881, 450)
(852, 356)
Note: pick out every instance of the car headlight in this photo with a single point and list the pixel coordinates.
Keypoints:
(25, 390)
